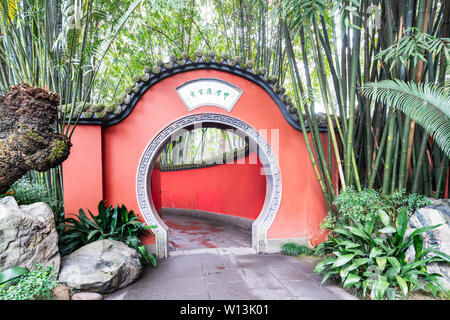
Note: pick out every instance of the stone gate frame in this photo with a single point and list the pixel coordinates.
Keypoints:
(266, 156)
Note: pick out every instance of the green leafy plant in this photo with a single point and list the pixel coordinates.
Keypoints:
(110, 223)
(27, 192)
(371, 258)
(295, 249)
(34, 285)
(364, 205)
(12, 273)
(410, 48)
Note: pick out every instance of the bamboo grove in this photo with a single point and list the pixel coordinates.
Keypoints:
(375, 144)
(200, 145)
(376, 68)
(54, 44)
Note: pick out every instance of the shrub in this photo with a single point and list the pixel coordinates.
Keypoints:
(110, 223)
(295, 249)
(27, 192)
(364, 206)
(370, 255)
(34, 285)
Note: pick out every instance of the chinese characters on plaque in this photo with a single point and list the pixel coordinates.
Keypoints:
(209, 92)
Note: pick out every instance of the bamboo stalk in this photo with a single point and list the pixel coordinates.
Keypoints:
(389, 147)
(352, 94)
(418, 169)
(299, 103)
(395, 162)
(313, 123)
(324, 90)
(379, 154)
(441, 180)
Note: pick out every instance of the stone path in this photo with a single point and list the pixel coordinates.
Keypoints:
(187, 233)
(211, 261)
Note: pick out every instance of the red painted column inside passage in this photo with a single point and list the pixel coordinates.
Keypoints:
(155, 187)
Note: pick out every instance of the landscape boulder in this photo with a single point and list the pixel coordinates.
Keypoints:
(87, 296)
(28, 235)
(436, 213)
(102, 266)
(61, 292)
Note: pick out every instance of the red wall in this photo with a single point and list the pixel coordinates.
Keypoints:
(109, 170)
(83, 170)
(236, 189)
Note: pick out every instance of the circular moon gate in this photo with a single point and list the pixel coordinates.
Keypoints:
(268, 160)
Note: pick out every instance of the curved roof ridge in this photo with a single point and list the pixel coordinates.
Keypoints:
(110, 114)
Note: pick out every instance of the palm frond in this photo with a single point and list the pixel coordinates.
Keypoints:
(8, 9)
(425, 103)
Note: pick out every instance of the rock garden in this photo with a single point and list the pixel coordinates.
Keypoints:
(33, 268)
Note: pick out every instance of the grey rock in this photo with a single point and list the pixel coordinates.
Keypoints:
(27, 235)
(87, 296)
(436, 213)
(102, 266)
(9, 201)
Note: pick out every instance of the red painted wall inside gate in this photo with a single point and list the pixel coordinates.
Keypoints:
(155, 187)
(236, 189)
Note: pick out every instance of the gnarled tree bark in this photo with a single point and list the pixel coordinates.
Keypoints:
(27, 137)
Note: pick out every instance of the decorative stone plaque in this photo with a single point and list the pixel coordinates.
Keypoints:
(209, 92)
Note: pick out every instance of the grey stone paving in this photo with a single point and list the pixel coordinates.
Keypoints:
(207, 270)
(195, 233)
